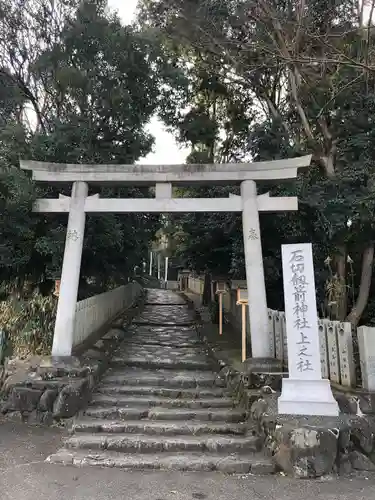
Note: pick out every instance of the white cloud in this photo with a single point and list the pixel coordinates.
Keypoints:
(166, 151)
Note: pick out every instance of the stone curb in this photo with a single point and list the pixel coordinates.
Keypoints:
(51, 390)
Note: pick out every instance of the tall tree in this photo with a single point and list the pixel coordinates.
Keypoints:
(79, 87)
(309, 68)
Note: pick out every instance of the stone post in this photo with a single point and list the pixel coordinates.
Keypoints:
(159, 266)
(366, 346)
(166, 269)
(151, 257)
(65, 316)
(258, 314)
(305, 392)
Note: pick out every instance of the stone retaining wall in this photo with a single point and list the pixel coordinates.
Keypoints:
(301, 446)
(309, 447)
(50, 390)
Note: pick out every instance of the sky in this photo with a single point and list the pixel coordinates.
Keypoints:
(166, 150)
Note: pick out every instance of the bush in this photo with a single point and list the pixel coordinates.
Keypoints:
(29, 324)
(214, 312)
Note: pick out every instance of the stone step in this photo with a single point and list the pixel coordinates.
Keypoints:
(163, 354)
(165, 333)
(161, 405)
(169, 392)
(152, 401)
(173, 339)
(168, 299)
(151, 330)
(165, 316)
(160, 363)
(158, 413)
(163, 322)
(157, 342)
(139, 350)
(142, 443)
(172, 336)
(152, 427)
(155, 354)
(117, 413)
(161, 304)
(164, 379)
(254, 463)
(203, 414)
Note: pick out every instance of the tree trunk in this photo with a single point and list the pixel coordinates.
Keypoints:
(342, 302)
(364, 287)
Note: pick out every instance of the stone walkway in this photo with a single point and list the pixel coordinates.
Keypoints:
(161, 405)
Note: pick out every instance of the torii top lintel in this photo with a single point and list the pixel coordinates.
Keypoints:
(228, 173)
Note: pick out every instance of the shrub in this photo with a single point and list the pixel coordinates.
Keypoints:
(29, 323)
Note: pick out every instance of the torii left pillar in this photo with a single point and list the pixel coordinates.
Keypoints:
(66, 308)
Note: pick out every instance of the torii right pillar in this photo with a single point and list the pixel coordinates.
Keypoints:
(262, 355)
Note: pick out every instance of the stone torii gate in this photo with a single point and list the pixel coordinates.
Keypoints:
(163, 177)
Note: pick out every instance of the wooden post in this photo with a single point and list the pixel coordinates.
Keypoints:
(220, 314)
(220, 289)
(242, 300)
(56, 292)
(243, 332)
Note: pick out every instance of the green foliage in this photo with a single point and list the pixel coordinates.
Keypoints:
(28, 324)
(17, 194)
(198, 128)
(277, 80)
(83, 93)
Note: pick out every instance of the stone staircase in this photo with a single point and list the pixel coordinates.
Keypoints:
(162, 405)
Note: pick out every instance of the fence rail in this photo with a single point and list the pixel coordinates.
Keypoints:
(94, 312)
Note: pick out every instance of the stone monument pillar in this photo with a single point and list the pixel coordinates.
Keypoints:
(305, 392)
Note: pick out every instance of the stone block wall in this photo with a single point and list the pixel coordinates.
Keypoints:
(300, 446)
(47, 390)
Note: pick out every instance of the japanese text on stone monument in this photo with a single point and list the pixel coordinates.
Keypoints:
(300, 310)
